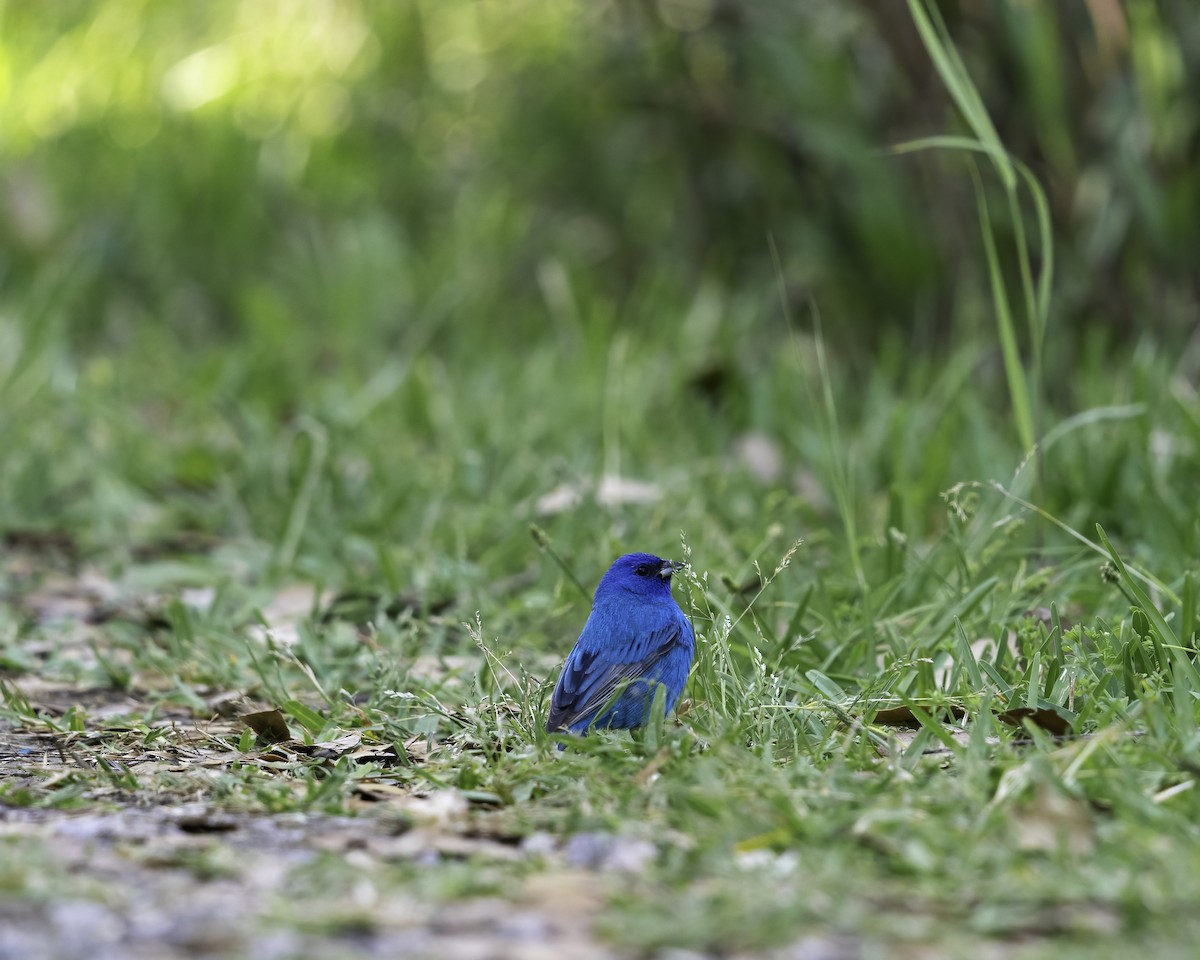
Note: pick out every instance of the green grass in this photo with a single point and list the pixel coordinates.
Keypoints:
(778, 806)
(162, 497)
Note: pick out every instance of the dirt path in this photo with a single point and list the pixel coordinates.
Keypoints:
(186, 881)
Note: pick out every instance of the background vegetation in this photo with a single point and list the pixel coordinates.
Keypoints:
(347, 296)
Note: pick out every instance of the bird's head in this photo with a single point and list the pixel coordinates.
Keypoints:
(642, 574)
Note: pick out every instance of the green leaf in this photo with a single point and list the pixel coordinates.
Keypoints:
(827, 686)
(1187, 611)
(1033, 692)
(1157, 620)
(967, 656)
(308, 718)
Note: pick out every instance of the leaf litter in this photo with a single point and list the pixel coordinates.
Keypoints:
(124, 807)
(117, 821)
(142, 871)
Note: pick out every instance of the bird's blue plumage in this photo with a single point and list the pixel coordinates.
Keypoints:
(635, 642)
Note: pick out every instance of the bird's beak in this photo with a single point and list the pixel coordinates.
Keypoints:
(669, 567)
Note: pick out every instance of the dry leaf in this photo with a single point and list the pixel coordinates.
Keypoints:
(268, 725)
(902, 716)
(1049, 720)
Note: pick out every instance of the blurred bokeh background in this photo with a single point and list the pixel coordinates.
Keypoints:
(379, 259)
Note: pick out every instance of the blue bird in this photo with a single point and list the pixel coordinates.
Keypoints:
(635, 641)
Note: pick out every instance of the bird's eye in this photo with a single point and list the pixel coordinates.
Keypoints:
(642, 570)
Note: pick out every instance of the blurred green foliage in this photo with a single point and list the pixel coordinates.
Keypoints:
(408, 221)
(388, 168)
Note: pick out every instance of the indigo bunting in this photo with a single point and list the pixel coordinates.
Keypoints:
(635, 641)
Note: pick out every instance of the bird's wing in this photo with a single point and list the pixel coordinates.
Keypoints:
(594, 670)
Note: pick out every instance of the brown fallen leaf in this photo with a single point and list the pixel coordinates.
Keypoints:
(902, 716)
(1051, 721)
(269, 725)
